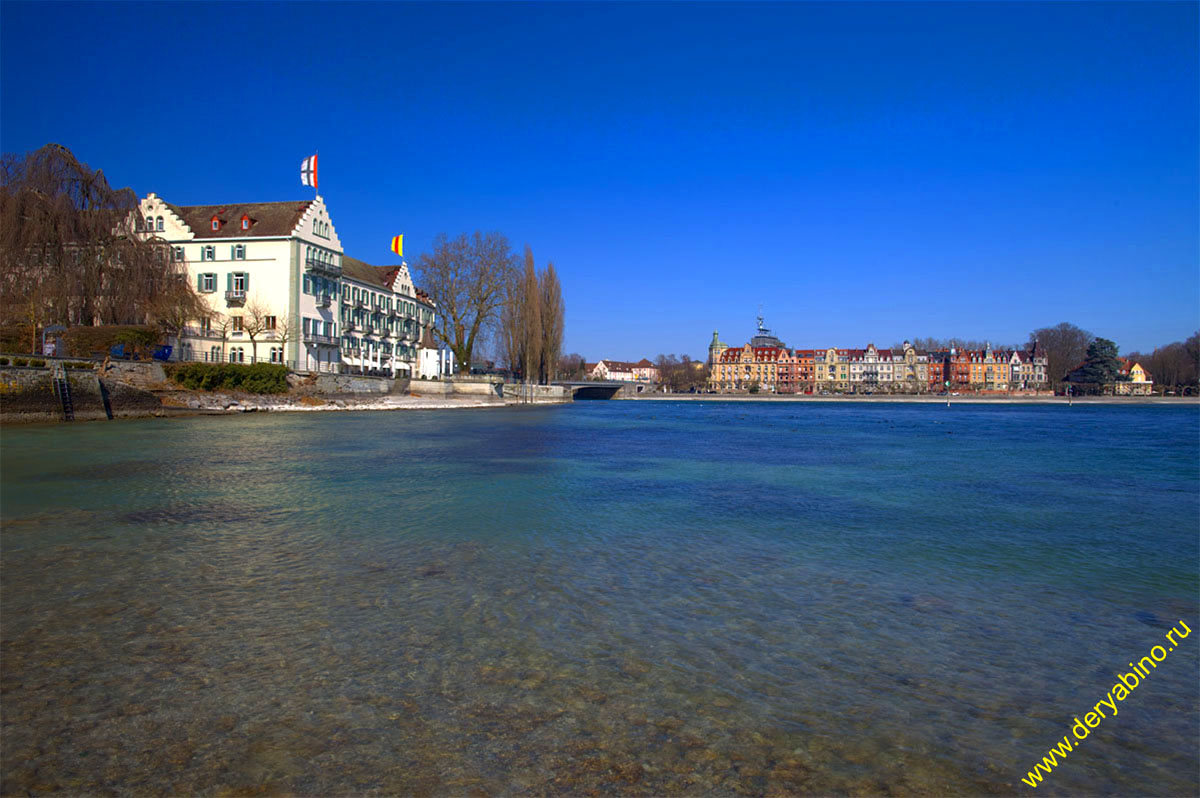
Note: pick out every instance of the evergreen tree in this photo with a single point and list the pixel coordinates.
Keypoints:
(1102, 365)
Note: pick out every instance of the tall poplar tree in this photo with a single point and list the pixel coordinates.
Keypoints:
(552, 313)
(531, 321)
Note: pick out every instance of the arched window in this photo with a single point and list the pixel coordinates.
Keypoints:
(149, 222)
(158, 224)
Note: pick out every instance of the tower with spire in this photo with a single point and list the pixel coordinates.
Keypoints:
(715, 349)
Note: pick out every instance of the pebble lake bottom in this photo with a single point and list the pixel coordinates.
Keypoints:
(612, 598)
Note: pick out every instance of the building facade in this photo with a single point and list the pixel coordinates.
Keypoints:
(903, 369)
(274, 278)
(624, 371)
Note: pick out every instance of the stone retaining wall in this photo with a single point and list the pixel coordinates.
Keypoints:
(539, 394)
(27, 394)
(335, 384)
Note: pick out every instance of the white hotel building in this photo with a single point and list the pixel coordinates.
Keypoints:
(277, 269)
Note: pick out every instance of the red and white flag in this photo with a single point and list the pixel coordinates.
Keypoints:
(308, 171)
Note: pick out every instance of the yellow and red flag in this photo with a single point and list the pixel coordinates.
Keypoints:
(398, 244)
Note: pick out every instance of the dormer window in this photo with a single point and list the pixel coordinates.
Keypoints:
(245, 222)
(216, 223)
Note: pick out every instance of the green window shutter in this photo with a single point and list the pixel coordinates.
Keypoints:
(199, 282)
(246, 281)
(228, 281)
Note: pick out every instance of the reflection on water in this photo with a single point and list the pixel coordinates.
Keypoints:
(618, 598)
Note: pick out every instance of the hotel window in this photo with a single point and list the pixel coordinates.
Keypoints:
(239, 251)
(235, 324)
(216, 225)
(206, 283)
(268, 322)
(277, 354)
(237, 355)
(214, 354)
(149, 222)
(240, 281)
(208, 253)
(177, 253)
(158, 224)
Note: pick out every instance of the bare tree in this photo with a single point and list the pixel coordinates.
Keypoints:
(468, 278)
(1173, 366)
(257, 322)
(571, 366)
(1065, 347)
(73, 250)
(223, 325)
(177, 307)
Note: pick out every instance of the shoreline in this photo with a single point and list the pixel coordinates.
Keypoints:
(925, 399)
(186, 404)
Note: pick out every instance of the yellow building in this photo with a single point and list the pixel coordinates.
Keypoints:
(755, 365)
(1139, 383)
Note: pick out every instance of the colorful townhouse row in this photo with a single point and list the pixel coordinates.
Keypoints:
(767, 365)
(277, 270)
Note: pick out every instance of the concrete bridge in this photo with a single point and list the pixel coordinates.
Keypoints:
(593, 390)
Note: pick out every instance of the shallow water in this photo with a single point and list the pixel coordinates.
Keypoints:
(608, 597)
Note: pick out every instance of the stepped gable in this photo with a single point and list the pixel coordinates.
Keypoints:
(388, 274)
(266, 218)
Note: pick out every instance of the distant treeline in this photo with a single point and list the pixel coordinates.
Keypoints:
(1174, 365)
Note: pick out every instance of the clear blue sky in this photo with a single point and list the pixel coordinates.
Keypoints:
(865, 172)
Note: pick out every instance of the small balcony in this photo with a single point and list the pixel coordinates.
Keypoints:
(322, 267)
(235, 297)
(324, 300)
(201, 332)
(318, 338)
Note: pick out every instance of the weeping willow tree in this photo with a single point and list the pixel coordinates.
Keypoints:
(72, 250)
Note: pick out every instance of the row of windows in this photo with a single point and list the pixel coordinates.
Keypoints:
(318, 256)
(238, 282)
(320, 286)
(209, 252)
(321, 228)
(355, 346)
(319, 327)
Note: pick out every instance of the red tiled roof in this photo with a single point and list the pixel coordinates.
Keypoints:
(266, 218)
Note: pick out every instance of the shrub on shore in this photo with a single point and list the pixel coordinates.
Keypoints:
(256, 378)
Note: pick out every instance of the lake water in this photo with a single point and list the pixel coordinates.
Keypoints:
(601, 598)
